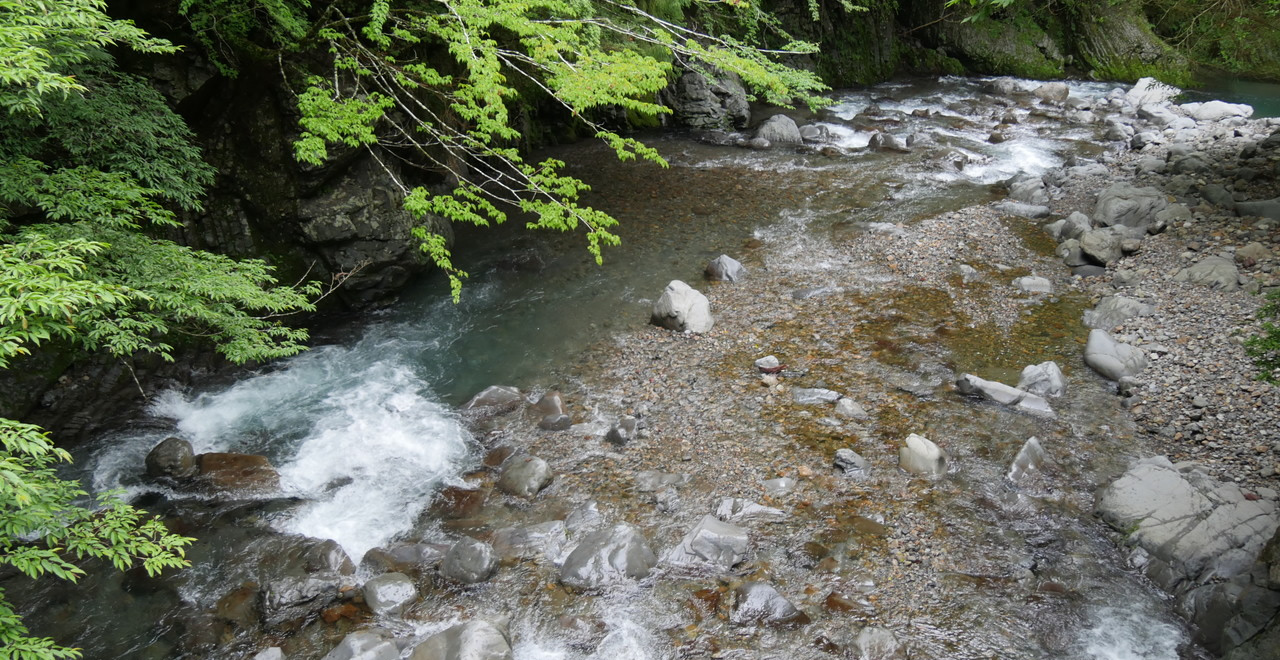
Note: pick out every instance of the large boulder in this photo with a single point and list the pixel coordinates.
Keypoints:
(172, 458)
(525, 476)
(1149, 91)
(293, 599)
(245, 474)
(608, 555)
(1102, 246)
(495, 399)
(921, 456)
(1213, 272)
(758, 603)
(683, 309)
(780, 129)
(390, 593)
(469, 561)
(1005, 395)
(1216, 110)
(1114, 310)
(473, 640)
(704, 103)
(711, 543)
(409, 558)
(1123, 204)
(1054, 92)
(1111, 358)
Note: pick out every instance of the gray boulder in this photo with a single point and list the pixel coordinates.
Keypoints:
(848, 408)
(495, 398)
(608, 555)
(540, 541)
(1004, 395)
(711, 543)
(172, 458)
(1056, 92)
(887, 142)
(921, 456)
(390, 593)
(473, 640)
(1269, 208)
(1021, 210)
(1112, 359)
(851, 463)
(1029, 189)
(1069, 227)
(1114, 310)
(1102, 246)
(365, 645)
(1044, 379)
(758, 603)
(683, 309)
(525, 476)
(813, 395)
(725, 269)
(469, 561)
(699, 102)
(1071, 253)
(1033, 284)
(1149, 91)
(1213, 272)
(737, 509)
(1218, 195)
(780, 129)
(293, 599)
(1123, 204)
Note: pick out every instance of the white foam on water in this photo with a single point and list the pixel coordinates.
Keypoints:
(1130, 634)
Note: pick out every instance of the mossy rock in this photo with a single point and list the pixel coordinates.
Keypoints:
(1015, 45)
(1116, 43)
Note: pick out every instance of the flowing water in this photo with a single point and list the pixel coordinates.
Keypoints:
(363, 430)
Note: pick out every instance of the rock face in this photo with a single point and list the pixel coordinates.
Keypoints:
(706, 103)
(390, 593)
(473, 640)
(711, 543)
(683, 309)
(1111, 358)
(780, 129)
(1013, 397)
(1202, 541)
(1123, 204)
(758, 603)
(525, 476)
(920, 456)
(172, 458)
(725, 269)
(608, 555)
(469, 561)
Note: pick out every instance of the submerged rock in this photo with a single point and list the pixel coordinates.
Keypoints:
(365, 645)
(683, 309)
(292, 599)
(1028, 460)
(543, 540)
(495, 399)
(921, 456)
(469, 561)
(1112, 358)
(409, 558)
(237, 473)
(1005, 395)
(390, 593)
(608, 555)
(525, 476)
(1044, 379)
(622, 433)
(758, 603)
(850, 409)
(711, 542)
(738, 509)
(473, 640)
(813, 395)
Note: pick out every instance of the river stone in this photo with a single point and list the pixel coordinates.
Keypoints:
(525, 476)
(273, 653)
(237, 473)
(1114, 310)
(1123, 204)
(495, 398)
(650, 481)
(920, 456)
(1111, 358)
(1028, 460)
(1071, 253)
(737, 509)
(851, 463)
(542, 540)
(1033, 284)
(780, 129)
(624, 431)
(473, 640)
(1021, 210)
(683, 309)
(365, 645)
(173, 458)
(1217, 195)
(1254, 251)
(1071, 226)
(814, 395)
(758, 603)
(711, 542)
(1149, 91)
(725, 268)
(1213, 272)
(550, 403)
(1028, 189)
(848, 408)
(608, 555)
(555, 423)
(1003, 86)
(815, 133)
(769, 364)
(1044, 379)
(886, 142)
(1216, 110)
(469, 561)
(707, 103)
(292, 599)
(1056, 92)
(457, 502)
(1269, 208)
(1004, 395)
(390, 593)
(1101, 246)
(409, 558)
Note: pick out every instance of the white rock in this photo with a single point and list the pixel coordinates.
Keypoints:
(1216, 110)
(1004, 395)
(1033, 284)
(1112, 358)
(682, 308)
(1044, 379)
(920, 456)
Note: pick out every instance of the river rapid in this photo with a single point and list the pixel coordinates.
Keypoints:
(364, 431)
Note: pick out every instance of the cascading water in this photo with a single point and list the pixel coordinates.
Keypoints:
(364, 434)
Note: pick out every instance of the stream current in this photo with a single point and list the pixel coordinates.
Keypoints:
(364, 434)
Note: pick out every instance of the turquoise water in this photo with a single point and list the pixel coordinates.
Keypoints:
(1263, 96)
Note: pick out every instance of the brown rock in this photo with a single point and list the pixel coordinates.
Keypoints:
(456, 502)
(229, 472)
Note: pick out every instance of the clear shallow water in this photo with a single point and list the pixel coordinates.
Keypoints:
(363, 431)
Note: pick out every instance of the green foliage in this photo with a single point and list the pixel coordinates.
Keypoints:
(1265, 347)
(1240, 36)
(228, 28)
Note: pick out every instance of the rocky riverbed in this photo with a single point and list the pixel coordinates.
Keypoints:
(737, 491)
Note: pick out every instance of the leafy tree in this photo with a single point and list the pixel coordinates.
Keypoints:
(439, 84)
(92, 166)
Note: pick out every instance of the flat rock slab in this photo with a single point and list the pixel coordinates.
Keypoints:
(1005, 395)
